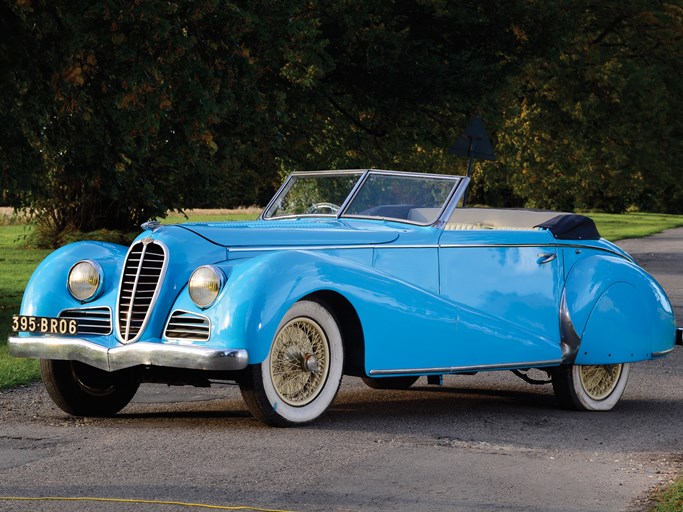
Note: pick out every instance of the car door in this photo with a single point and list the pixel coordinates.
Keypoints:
(507, 285)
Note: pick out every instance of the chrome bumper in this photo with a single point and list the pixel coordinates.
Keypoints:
(126, 356)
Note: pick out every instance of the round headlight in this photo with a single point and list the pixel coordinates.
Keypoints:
(204, 285)
(85, 280)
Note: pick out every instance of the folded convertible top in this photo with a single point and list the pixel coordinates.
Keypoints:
(571, 227)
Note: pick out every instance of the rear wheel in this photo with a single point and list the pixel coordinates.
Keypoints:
(299, 379)
(590, 387)
(82, 390)
(390, 382)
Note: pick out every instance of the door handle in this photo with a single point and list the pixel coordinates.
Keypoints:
(546, 258)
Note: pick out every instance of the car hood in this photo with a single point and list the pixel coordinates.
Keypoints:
(274, 233)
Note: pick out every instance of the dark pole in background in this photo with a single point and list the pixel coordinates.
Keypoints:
(474, 144)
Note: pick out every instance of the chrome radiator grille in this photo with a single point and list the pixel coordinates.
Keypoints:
(140, 283)
(90, 320)
(184, 325)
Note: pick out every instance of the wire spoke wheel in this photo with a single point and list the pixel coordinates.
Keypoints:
(599, 381)
(298, 380)
(300, 361)
(590, 387)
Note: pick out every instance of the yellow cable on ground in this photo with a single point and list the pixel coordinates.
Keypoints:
(146, 502)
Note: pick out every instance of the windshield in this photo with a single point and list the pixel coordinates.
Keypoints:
(312, 194)
(375, 194)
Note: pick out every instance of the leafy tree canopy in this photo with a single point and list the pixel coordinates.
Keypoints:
(115, 112)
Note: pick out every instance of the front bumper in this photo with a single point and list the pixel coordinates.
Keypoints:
(127, 356)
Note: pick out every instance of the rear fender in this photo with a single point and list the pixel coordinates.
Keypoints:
(614, 312)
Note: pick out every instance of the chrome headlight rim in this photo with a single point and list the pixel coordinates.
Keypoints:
(100, 281)
(220, 281)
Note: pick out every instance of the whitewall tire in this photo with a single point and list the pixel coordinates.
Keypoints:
(590, 387)
(300, 378)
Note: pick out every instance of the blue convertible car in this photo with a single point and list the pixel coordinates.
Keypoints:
(369, 273)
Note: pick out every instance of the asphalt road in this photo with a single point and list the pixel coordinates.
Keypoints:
(487, 442)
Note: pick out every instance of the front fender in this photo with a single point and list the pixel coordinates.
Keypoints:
(618, 312)
(46, 293)
(259, 292)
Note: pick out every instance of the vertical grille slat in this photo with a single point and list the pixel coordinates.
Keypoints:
(142, 277)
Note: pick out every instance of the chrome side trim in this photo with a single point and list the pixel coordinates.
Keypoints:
(569, 338)
(664, 352)
(459, 369)
(127, 356)
(328, 247)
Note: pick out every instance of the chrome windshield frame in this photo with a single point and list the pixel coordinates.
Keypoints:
(446, 210)
(284, 188)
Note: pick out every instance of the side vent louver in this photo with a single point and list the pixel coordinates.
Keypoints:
(184, 325)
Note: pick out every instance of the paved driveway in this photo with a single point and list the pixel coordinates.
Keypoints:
(487, 442)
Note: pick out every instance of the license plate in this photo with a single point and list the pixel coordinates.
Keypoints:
(44, 325)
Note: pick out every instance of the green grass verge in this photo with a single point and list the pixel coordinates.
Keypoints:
(633, 225)
(17, 262)
(16, 265)
(670, 500)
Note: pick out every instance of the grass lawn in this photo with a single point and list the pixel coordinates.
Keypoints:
(633, 225)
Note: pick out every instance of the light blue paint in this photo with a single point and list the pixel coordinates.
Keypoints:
(426, 298)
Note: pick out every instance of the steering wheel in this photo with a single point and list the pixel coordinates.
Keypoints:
(323, 208)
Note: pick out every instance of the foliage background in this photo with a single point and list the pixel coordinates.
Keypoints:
(113, 112)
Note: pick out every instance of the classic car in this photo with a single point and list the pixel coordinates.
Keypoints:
(377, 274)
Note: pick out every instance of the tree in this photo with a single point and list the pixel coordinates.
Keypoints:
(141, 107)
(594, 123)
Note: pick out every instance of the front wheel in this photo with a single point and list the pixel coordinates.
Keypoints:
(299, 379)
(590, 387)
(82, 390)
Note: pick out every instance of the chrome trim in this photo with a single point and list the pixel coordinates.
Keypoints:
(664, 352)
(162, 274)
(569, 338)
(452, 203)
(389, 245)
(185, 312)
(127, 356)
(544, 258)
(458, 369)
(352, 194)
(90, 308)
(329, 247)
(553, 245)
(379, 172)
(286, 185)
(363, 174)
(221, 282)
(100, 284)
